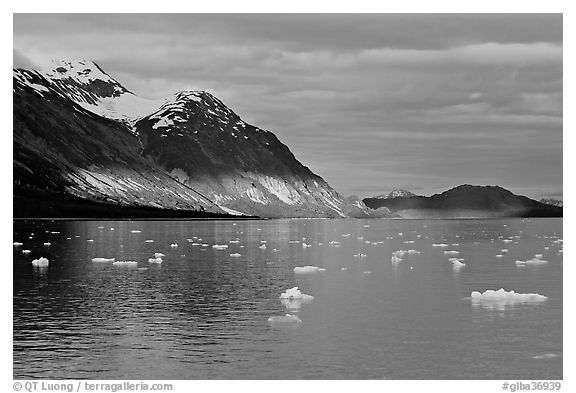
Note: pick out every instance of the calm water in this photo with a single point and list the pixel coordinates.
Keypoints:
(203, 314)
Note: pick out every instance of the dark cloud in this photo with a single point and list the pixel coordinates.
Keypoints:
(369, 102)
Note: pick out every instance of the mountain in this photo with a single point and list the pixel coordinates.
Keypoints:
(395, 194)
(78, 133)
(467, 201)
(551, 201)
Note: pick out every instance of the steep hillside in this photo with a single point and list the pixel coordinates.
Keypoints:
(467, 201)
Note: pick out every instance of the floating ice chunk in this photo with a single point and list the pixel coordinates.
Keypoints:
(262, 247)
(367, 272)
(343, 269)
(175, 245)
(334, 243)
(304, 245)
(220, 246)
(103, 259)
(361, 256)
(501, 298)
(294, 241)
(294, 293)
(47, 243)
(439, 245)
(452, 252)
(235, 255)
(506, 241)
(135, 231)
(457, 262)
(408, 241)
(142, 268)
(149, 241)
(262, 241)
(399, 253)
(538, 256)
(366, 226)
(413, 252)
(545, 356)
(234, 241)
(307, 269)
(158, 255)
(26, 251)
(155, 260)
(504, 250)
(360, 237)
(17, 244)
(533, 261)
(287, 320)
(275, 250)
(346, 235)
(125, 263)
(455, 244)
(41, 262)
(395, 260)
(90, 240)
(499, 256)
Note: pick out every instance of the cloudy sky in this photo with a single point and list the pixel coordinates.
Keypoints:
(370, 102)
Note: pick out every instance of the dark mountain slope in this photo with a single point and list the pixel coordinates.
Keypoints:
(467, 201)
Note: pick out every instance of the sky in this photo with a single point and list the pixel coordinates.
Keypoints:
(370, 102)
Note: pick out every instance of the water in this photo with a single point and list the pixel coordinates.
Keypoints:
(203, 314)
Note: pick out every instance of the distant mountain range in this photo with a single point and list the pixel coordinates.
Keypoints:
(84, 145)
(395, 194)
(466, 201)
(551, 201)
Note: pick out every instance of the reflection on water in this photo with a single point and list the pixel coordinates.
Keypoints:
(202, 314)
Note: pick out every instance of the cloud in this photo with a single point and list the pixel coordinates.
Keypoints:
(21, 61)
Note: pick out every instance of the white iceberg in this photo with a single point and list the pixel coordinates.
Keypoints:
(439, 245)
(149, 241)
(501, 298)
(135, 231)
(41, 262)
(286, 320)
(17, 244)
(155, 260)
(125, 263)
(103, 259)
(26, 251)
(295, 294)
(343, 269)
(175, 245)
(262, 247)
(533, 261)
(235, 255)
(47, 243)
(158, 255)
(395, 260)
(220, 246)
(452, 252)
(457, 262)
(360, 256)
(413, 252)
(304, 245)
(308, 269)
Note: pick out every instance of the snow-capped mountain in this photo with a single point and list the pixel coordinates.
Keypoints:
(187, 151)
(395, 194)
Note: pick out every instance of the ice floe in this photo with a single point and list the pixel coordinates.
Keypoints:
(501, 298)
(149, 241)
(175, 245)
(452, 252)
(235, 255)
(308, 269)
(533, 261)
(158, 255)
(439, 245)
(26, 251)
(413, 252)
(155, 260)
(287, 319)
(103, 259)
(262, 247)
(295, 294)
(47, 243)
(17, 244)
(125, 263)
(220, 246)
(40, 262)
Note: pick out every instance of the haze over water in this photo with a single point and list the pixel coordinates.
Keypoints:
(202, 314)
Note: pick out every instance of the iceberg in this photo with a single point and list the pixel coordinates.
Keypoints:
(308, 269)
(175, 245)
(304, 245)
(413, 252)
(262, 247)
(533, 261)
(135, 231)
(47, 243)
(457, 262)
(439, 245)
(158, 255)
(149, 241)
(500, 299)
(26, 251)
(220, 246)
(452, 252)
(360, 255)
(41, 262)
(295, 294)
(125, 263)
(17, 244)
(155, 260)
(103, 259)
(395, 260)
(235, 255)
(286, 320)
